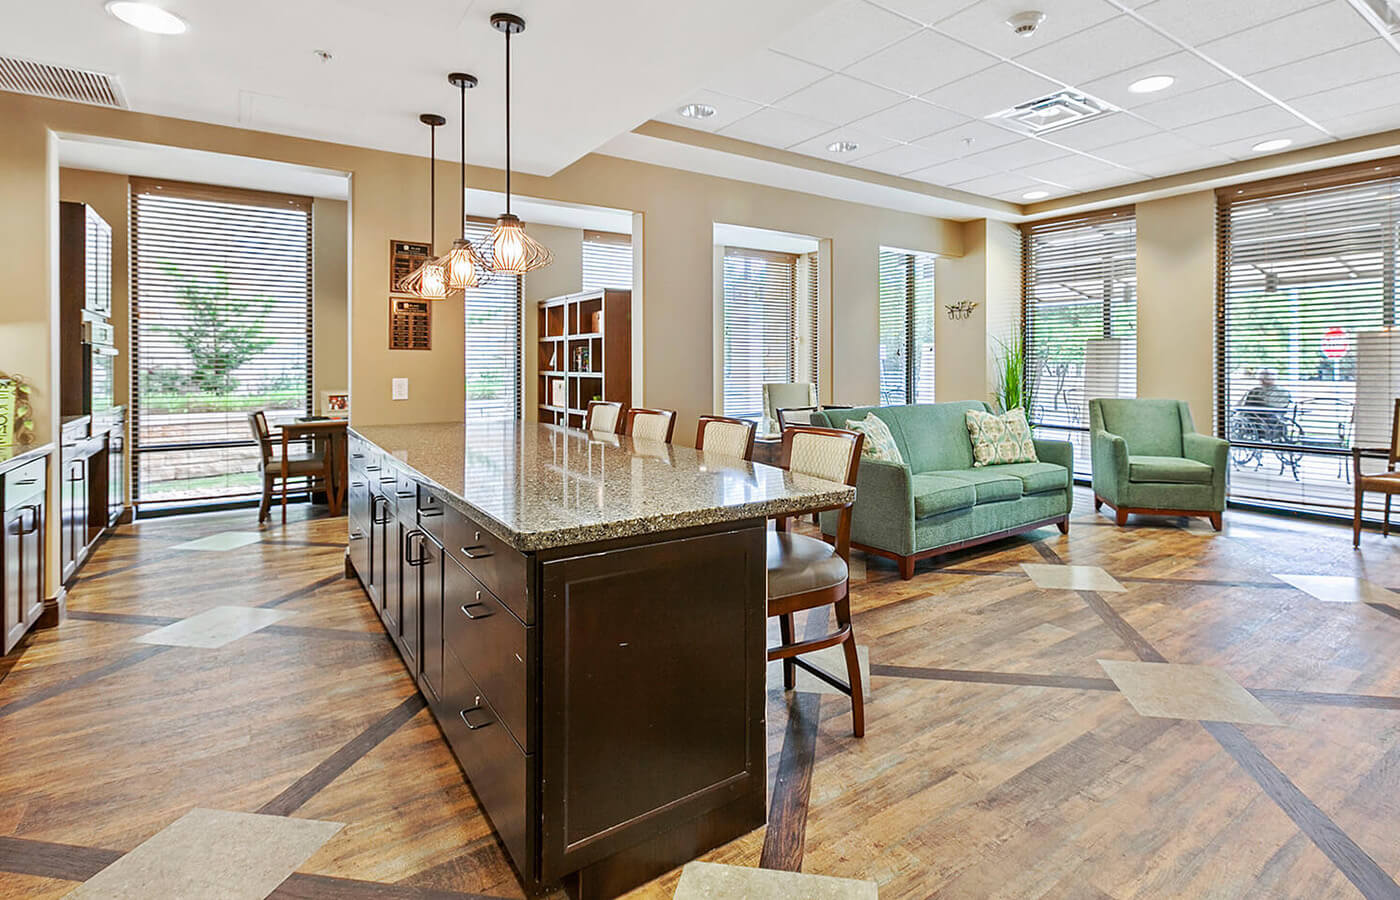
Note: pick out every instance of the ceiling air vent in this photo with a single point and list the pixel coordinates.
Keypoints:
(1382, 13)
(1059, 110)
(60, 83)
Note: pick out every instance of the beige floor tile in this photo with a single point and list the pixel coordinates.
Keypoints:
(209, 853)
(1173, 691)
(215, 627)
(1341, 588)
(1070, 578)
(831, 660)
(218, 543)
(714, 881)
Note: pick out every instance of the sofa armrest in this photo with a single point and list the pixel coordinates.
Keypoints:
(1110, 460)
(1214, 452)
(884, 511)
(1060, 453)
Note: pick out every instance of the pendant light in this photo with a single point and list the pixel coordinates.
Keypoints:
(513, 252)
(464, 265)
(429, 280)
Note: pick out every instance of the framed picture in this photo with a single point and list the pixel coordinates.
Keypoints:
(558, 395)
(335, 403)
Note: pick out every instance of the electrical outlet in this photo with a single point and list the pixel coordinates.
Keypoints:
(400, 388)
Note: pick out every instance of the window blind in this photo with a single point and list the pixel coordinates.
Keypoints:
(906, 327)
(811, 325)
(492, 343)
(607, 260)
(1079, 312)
(1307, 362)
(221, 326)
(760, 298)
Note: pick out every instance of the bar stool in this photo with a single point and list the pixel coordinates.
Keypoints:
(602, 415)
(725, 436)
(807, 573)
(651, 424)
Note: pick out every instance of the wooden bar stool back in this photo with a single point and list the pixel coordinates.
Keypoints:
(808, 573)
(1387, 482)
(603, 415)
(651, 424)
(725, 436)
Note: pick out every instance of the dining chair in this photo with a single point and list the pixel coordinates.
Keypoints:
(651, 424)
(806, 573)
(276, 464)
(1387, 482)
(602, 415)
(787, 395)
(725, 436)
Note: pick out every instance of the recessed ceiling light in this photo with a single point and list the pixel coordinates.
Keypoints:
(1271, 146)
(147, 17)
(697, 111)
(842, 147)
(1035, 195)
(1151, 84)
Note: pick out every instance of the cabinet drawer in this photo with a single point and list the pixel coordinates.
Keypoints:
(492, 561)
(492, 643)
(498, 771)
(23, 483)
(432, 514)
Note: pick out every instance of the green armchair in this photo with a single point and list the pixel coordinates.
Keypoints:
(1148, 458)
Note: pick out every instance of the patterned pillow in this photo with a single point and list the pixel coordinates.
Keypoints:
(1000, 439)
(879, 443)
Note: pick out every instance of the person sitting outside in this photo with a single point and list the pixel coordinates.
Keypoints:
(1273, 401)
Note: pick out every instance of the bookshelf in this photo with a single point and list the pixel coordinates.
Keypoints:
(585, 352)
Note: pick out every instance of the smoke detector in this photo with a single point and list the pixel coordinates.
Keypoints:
(1025, 23)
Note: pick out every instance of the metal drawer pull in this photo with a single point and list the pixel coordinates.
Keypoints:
(468, 722)
(27, 481)
(387, 479)
(406, 493)
(357, 535)
(430, 513)
(468, 607)
(371, 468)
(467, 551)
(357, 456)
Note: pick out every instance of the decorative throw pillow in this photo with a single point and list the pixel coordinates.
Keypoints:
(879, 443)
(1000, 439)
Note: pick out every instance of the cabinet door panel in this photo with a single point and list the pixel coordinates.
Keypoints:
(410, 593)
(13, 575)
(32, 561)
(431, 575)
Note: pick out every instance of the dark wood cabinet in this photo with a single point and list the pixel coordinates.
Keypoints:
(432, 586)
(116, 475)
(24, 521)
(74, 504)
(92, 484)
(85, 298)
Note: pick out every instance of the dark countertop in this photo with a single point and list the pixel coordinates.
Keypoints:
(540, 486)
(13, 457)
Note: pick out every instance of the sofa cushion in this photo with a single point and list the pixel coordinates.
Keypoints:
(1036, 477)
(990, 485)
(934, 494)
(930, 436)
(1149, 426)
(879, 440)
(998, 439)
(1168, 470)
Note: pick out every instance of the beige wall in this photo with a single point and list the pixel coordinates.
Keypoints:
(960, 345)
(330, 336)
(1176, 270)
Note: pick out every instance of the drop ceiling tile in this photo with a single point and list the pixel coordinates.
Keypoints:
(974, 137)
(728, 110)
(1335, 69)
(1181, 162)
(902, 158)
(842, 33)
(925, 12)
(1301, 135)
(1198, 21)
(920, 62)
(1109, 47)
(1280, 41)
(840, 99)
(984, 24)
(1243, 125)
(992, 90)
(1225, 99)
(775, 128)
(1360, 97)
(1156, 146)
(910, 121)
(1190, 71)
(765, 76)
(951, 172)
(1078, 172)
(1374, 121)
(1017, 155)
(1113, 128)
(868, 144)
(1003, 185)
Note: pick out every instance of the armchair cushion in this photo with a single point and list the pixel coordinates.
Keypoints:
(1168, 470)
(934, 494)
(989, 483)
(1151, 427)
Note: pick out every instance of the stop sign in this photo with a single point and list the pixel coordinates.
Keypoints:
(1336, 343)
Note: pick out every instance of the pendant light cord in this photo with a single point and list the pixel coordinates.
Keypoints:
(432, 191)
(463, 87)
(507, 121)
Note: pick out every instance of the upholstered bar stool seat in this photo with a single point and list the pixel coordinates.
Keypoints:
(798, 564)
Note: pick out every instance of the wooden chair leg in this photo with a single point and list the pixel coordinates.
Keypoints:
(1356, 518)
(284, 499)
(843, 617)
(906, 567)
(789, 667)
(1215, 521)
(1385, 518)
(1121, 517)
(265, 507)
(1063, 525)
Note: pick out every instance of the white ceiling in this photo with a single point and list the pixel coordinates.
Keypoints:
(582, 72)
(763, 239)
(913, 82)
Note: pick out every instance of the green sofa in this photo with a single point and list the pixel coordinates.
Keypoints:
(937, 501)
(1148, 458)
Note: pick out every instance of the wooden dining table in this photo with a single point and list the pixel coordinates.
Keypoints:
(327, 436)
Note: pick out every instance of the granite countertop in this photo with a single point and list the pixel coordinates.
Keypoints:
(540, 486)
(10, 457)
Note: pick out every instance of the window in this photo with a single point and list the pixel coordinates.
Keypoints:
(607, 260)
(492, 340)
(1306, 365)
(906, 327)
(760, 326)
(221, 326)
(1079, 311)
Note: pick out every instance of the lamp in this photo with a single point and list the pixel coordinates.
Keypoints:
(513, 252)
(464, 265)
(429, 280)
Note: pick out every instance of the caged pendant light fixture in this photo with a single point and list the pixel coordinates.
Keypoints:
(429, 280)
(465, 266)
(513, 252)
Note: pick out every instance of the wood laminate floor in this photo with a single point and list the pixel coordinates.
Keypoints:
(1150, 711)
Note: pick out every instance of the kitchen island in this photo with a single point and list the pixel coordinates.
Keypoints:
(586, 616)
